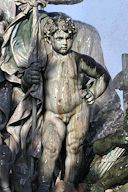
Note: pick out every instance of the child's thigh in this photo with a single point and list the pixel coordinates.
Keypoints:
(78, 126)
(53, 131)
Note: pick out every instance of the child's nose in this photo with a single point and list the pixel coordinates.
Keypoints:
(64, 41)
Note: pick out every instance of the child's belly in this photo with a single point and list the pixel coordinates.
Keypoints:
(62, 96)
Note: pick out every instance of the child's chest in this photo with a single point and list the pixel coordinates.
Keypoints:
(64, 68)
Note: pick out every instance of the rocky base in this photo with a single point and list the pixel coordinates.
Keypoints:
(61, 186)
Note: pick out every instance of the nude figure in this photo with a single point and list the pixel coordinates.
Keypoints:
(66, 103)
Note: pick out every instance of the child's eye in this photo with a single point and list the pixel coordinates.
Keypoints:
(59, 38)
(68, 38)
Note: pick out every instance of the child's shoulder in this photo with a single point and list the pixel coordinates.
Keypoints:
(82, 57)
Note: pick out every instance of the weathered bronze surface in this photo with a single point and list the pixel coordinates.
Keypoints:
(69, 148)
(121, 80)
(8, 6)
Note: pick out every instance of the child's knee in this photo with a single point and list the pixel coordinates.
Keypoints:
(51, 141)
(73, 148)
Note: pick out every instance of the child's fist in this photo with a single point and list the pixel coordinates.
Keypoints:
(88, 96)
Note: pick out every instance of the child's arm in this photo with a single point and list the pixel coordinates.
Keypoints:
(104, 145)
(91, 68)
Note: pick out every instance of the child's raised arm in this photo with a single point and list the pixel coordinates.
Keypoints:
(91, 68)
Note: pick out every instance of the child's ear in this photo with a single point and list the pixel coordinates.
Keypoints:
(48, 39)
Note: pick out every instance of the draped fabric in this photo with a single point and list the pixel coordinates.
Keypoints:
(26, 5)
(16, 52)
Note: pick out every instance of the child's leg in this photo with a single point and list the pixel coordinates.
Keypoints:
(52, 137)
(76, 131)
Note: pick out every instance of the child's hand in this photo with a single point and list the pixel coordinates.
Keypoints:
(88, 96)
(32, 75)
(120, 138)
(124, 138)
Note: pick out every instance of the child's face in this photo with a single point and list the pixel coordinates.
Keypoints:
(61, 42)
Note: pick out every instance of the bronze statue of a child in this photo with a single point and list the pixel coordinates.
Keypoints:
(66, 104)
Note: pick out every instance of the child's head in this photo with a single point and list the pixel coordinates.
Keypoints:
(59, 31)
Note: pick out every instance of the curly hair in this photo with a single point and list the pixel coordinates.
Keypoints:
(59, 22)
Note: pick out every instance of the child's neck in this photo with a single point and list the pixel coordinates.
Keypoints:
(59, 55)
